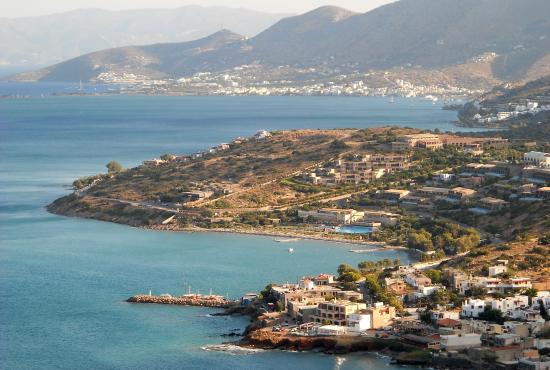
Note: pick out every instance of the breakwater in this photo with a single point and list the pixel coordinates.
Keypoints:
(198, 300)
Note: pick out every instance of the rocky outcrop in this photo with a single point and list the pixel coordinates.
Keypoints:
(265, 339)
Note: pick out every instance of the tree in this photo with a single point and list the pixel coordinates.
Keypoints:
(421, 240)
(114, 167)
(165, 157)
(492, 315)
(345, 267)
(544, 312)
(434, 275)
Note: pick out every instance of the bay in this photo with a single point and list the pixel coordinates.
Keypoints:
(64, 280)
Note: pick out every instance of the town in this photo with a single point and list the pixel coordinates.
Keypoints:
(471, 209)
(286, 80)
(443, 314)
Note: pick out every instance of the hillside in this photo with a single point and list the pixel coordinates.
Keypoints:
(513, 99)
(38, 41)
(511, 39)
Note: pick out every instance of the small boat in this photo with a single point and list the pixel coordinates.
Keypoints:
(286, 240)
(392, 100)
(290, 250)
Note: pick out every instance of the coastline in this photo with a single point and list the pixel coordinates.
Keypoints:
(283, 234)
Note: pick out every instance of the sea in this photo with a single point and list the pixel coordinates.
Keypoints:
(64, 281)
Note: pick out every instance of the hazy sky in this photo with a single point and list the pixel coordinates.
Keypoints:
(23, 8)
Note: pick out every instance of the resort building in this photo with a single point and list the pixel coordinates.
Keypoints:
(332, 216)
(537, 159)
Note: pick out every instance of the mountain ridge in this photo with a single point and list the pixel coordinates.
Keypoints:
(46, 40)
(411, 34)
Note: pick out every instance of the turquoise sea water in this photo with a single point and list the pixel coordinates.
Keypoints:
(354, 230)
(63, 280)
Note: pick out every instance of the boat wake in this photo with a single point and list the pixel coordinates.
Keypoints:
(231, 349)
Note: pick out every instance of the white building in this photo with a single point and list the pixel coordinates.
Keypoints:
(496, 270)
(473, 307)
(331, 330)
(359, 322)
(508, 304)
(538, 159)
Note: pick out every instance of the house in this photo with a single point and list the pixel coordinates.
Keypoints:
(449, 324)
(443, 177)
(537, 159)
(492, 204)
(497, 270)
(417, 280)
(324, 279)
(359, 322)
(506, 339)
(262, 134)
(394, 195)
(510, 304)
(248, 299)
(197, 195)
(471, 181)
(302, 311)
(437, 315)
(381, 315)
(336, 312)
(396, 285)
(473, 307)
(460, 193)
(433, 192)
(455, 342)
(153, 162)
(425, 290)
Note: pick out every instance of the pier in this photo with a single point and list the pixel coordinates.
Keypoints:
(197, 300)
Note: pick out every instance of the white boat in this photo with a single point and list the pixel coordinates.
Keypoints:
(290, 250)
(287, 240)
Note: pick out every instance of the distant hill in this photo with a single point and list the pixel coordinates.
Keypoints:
(511, 37)
(51, 39)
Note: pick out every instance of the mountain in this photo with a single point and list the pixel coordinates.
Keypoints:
(51, 39)
(510, 38)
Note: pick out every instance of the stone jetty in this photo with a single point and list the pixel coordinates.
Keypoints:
(199, 300)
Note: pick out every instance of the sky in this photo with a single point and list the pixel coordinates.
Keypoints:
(27, 8)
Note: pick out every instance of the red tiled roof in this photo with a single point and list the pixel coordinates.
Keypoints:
(448, 322)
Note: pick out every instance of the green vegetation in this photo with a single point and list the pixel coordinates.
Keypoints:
(301, 187)
(267, 297)
(114, 167)
(372, 274)
(492, 315)
(443, 237)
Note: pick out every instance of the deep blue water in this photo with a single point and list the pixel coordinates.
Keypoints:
(63, 280)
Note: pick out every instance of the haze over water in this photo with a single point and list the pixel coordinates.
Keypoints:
(64, 280)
